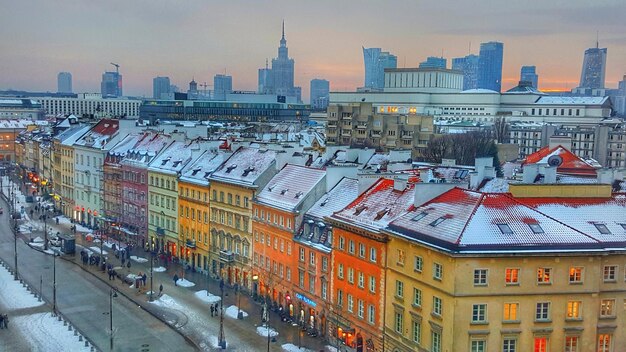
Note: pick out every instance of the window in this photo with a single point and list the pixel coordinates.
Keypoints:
(398, 322)
(571, 343)
(479, 313)
(438, 221)
(541, 344)
(312, 258)
(400, 258)
(417, 297)
(478, 346)
(416, 332)
(351, 247)
(536, 228)
(607, 308)
(543, 275)
(604, 342)
(372, 254)
(372, 284)
(342, 242)
(340, 271)
(602, 229)
(480, 277)
(418, 263)
(301, 254)
(340, 298)
(511, 276)
(542, 313)
(419, 216)
(399, 289)
(610, 273)
(573, 310)
(435, 341)
(360, 309)
(351, 275)
(361, 280)
(361, 250)
(505, 229)
(509, 345)
(510, 311)
(324, 264)
(350, 303)
(437, 308)
(437, 271)
(575, 275)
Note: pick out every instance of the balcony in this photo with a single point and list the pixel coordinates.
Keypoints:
(160, 231)
(190, 244)
(227, 256)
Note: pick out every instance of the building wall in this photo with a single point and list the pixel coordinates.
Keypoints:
(163, 212)
(135, 200)
(88, 165)
(89, 106)
(193, 218)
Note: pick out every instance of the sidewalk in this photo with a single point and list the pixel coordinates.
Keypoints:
(192, 313)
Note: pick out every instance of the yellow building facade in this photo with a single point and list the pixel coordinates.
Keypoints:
(193, 219)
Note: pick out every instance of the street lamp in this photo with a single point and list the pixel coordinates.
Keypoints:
(14, 227)
(222, 338)
(54, 283)
(112, 293)
(44, 217)
(151, 270)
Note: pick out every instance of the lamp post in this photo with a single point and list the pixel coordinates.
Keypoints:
(45, 230)
(222, 338)
(14, 228)
(112, 293)
(151, 271)
(54, 283)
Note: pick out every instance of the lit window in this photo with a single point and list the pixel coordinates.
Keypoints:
(573, 309)
(604, 342)
(510, 311)
(511, 276)
(602, 228)
(479, 313)
(541, 344)
(610, 273)
(607, 308)
(543, 275)
(536, 228)
(542, 311)
(575, 275)
(505, 229)
(480, 277)
(571, 343)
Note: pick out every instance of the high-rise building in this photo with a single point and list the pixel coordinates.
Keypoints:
(111, 85)
(64, 82)
(279, 79)
(222, 85)
(594, 68)
(469, 66)
(490, 66)
(160, 86)
(376, 61)
(434, 62)
(529, 74)
(320, 91)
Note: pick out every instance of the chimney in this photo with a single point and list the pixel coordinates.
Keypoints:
(366, 181)
(530, 171)
(564, 141)
(549, 174)
(427, 191)
(480, 164)
(400, 182)
(334, 174)
(474, 180)
(605, 176)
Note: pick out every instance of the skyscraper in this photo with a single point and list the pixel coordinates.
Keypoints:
(111, 85)
(434, 62)
(594, 68)
(529, 74)
(376, 61)
(64, 82)
(279, 79)
(160, 86)
(320, 89)
(490, 66)
(222, 85)
(469, 66)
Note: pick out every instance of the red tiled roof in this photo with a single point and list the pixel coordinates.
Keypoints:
(572, 164)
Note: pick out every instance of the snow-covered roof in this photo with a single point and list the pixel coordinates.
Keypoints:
(99, 135)
(173, 159)
(71, 135)
(464, 220)
(245, 165)
(479, 91)
(555, 100)
(146, 149)
(571, 164)
(121, 148)
(378, 206)
(290, 186)
(18, 124)
(199, 170)
(344, 193)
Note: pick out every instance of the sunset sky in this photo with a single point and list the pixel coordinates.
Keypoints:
(195, 38)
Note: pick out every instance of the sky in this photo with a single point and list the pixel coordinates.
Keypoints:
(200, 38)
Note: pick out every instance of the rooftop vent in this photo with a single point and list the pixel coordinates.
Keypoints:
(231, 168)
(299, 194)
(381, 213)
(248, 170)
(359, 209)
(282, 193)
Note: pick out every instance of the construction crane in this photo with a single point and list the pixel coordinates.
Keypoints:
(117, 67)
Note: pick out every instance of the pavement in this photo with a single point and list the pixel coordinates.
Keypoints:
(189, 315)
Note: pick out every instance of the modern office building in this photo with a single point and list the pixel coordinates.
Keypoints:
(594, 68)
(529, 74)
(18, 109)
(222, 85)
(89, 104)
(64, 82)
(434, 62)
(111, 85)
(469, 66)
(376, 61)
(160, 86)
(320, 89)
(490, 66)
(280, 79)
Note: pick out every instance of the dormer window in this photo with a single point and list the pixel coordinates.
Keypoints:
(299, 194)
(358, 210)
(177, 162)
(230, 168)
(505, 229)
(282, 193)
(536, 228)
(165, 161)
(326, 201)
(195, 171)
(270, 188)
(248, 170)
(602, 228)
(623, 226)
(419, 216)
(381, 213)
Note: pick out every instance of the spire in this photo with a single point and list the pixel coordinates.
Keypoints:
(283, 29)
(597, 37)
(283, 41)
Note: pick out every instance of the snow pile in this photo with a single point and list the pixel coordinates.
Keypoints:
(38, 239)
(210, 299)
(79, 227)
(496, 185)
(232, 312)
(330, 348)
(133, 276)
(159, 269)
(13, 295)
(263, 331)
(45, 333)
(185, 283)
(97, 250)
(138, 259)
(214, 342)
(290, 347)
(167, 302)
(35, 245)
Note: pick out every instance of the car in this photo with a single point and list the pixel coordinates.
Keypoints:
(55, 241)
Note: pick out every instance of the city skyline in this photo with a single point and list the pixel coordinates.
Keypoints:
(197, 41)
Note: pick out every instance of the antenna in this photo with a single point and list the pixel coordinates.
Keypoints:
(117, 67)
(469, 49)
(442, 53)
(597, 39)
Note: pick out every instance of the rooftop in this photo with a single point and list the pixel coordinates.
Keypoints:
(245, 166)
(290, 186)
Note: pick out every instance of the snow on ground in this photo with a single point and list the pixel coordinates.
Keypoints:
(138, 259)
(159, 269)
(13, 295)
(232, 311)
(167, 302)
(46, 333)
(185, 283)
(38, 239)
(35, 244)
(117, 245)
(133, 276)
(215, 342)
(210, 299)
(97, 250)
(330, 348)
(263, 331)
(79, 227)
(290, 347)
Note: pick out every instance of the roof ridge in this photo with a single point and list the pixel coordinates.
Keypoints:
(478, 203)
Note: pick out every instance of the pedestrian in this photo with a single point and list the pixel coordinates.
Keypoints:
(114, 274)
(216, 308)
(160, 290)
(144, 278)
(5, 320)
(2, 320)
(175, 279)
(123, 261)
(212, 309)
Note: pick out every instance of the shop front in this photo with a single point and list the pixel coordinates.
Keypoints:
(309, 314)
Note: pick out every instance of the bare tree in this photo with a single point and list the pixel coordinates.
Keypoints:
(501, 130)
